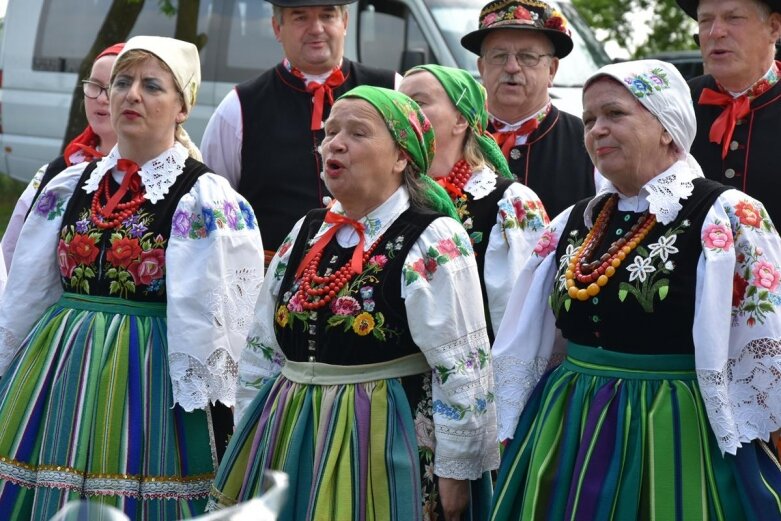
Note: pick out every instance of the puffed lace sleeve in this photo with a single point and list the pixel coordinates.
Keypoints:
(15, 222)
(34, 285)
(737, 323)
(444, 307)
(214, 269)
(262, 357)
(528, 342)
(520, 221)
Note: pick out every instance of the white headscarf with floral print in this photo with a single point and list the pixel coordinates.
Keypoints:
(661, 89)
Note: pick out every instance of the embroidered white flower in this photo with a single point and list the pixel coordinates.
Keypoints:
(664, 247)
(564, 261)
(639, 268)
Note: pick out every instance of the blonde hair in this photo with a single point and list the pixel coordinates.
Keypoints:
(134, 57)
(473, 154)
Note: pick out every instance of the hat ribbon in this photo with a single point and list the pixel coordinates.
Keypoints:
(734, 109)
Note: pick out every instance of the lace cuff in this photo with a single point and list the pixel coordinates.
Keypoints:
(458, 468)
(196, 384)
(742, 399)
(515, 380)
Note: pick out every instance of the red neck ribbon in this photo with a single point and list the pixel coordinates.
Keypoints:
(131, 181)
(723, 126)
(338, 221)
(506, 140)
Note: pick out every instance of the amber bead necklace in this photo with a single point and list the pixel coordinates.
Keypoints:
(596, 273)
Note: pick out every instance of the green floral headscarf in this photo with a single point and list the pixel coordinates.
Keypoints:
(469, 98)
(412, 131)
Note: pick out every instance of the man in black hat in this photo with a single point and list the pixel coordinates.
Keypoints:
(519, 43)
(265, 134)
(738, 104)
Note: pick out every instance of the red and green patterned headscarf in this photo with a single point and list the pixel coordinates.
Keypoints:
(412, 132)
(469, 98)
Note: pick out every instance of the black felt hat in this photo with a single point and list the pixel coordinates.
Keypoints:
(690, 6)
(526, 15)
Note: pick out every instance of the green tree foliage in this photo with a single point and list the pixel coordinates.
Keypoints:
(671, 29)
(117, 25)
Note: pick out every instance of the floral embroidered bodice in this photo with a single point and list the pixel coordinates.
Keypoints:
(127, 261)
(654, 285)
(366, 322)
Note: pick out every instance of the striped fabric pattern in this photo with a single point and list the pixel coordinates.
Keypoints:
(86, 411)
(613, 436)
(350, 451)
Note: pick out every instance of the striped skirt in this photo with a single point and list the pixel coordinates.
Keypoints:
(353, 452)
(86, 412)
(612, 436)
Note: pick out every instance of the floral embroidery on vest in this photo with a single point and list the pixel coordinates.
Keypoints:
(648, 265)
(353, 307)
(133, 258)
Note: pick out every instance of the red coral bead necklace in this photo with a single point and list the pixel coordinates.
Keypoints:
(455, 181)
(328, 286)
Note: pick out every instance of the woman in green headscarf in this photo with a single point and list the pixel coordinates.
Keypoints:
(367, 373)
(503, 217)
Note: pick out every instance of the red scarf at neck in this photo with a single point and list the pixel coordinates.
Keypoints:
(320, 93)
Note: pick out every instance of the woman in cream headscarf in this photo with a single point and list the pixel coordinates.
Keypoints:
(362, 304)
(504, 218)
(125, 322)
(662, 296)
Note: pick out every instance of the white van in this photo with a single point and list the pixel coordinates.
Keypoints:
(45, 41)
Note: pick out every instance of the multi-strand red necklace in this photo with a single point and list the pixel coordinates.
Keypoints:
(111, 213)
(455, 181)
(595, 274)
(316, 291)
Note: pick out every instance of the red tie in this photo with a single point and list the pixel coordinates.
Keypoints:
(319, 92)
(734, 109)
(131, 181)
(338, 221)
(506, 140)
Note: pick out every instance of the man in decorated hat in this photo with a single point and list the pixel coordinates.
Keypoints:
(265, 134)
(519, 44)
(738, 104)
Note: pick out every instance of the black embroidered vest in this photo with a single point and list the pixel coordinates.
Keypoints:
(367, 321)
(127, 261)
(650, 299)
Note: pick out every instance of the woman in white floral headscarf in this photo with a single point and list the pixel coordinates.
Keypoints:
(656, 306)
(122, 327)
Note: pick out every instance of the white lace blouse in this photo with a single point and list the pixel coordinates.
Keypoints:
(737, 342)
(212, 282)
(520, 221)
(446, 319)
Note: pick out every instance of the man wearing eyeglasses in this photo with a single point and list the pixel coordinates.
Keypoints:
(519, 44)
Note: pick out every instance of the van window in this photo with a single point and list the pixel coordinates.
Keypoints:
(249, 40)
(379, 41)
(67, 30)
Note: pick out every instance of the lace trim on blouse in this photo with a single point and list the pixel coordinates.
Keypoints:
(663, 193)
(742, 399)
(158, 174)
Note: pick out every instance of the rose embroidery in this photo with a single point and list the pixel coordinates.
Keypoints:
(547, 243)
(149, 268)
(83, 249)
(748, 214)
(717, 237)
(766, 276)
(123, 251)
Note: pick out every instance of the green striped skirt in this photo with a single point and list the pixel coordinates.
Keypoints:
(614, 436)
(351, 450)
(86, 411)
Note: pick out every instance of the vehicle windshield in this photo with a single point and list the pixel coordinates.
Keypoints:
(455, 18)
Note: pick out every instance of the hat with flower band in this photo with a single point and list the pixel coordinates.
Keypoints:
(690, 6)
(528, 15)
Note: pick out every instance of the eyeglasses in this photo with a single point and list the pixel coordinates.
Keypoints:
(527, 59)
(92, 89)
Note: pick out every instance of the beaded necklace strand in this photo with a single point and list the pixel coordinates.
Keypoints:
(327, 287)
(596, 273)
